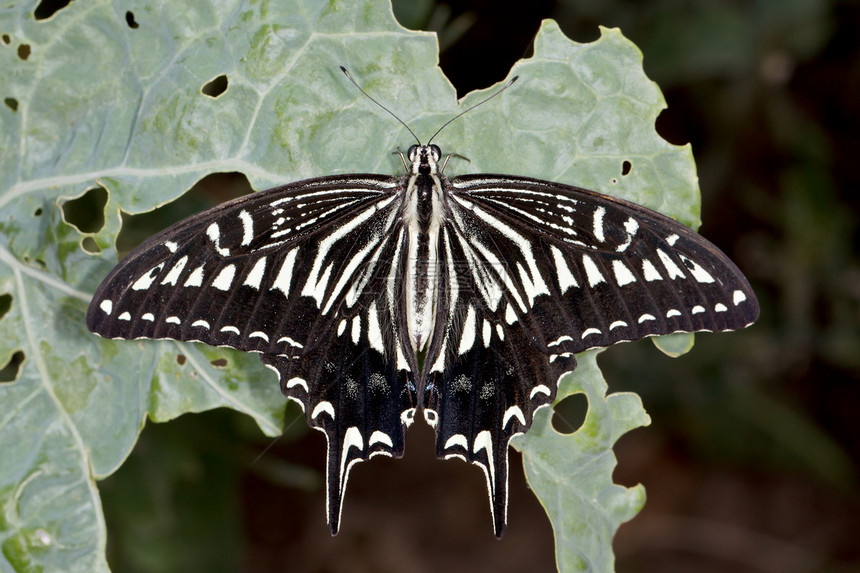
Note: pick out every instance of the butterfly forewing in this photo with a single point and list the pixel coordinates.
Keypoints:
(260, 273)
(589, 271)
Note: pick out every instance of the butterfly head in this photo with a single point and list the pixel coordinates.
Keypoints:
(424, 159)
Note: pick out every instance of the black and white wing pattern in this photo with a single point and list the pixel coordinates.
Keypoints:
(307, 276)
(495, 282)
(533, 272)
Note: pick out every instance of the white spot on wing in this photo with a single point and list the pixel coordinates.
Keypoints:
(559, 340)
(563, 274)
(285, 274)
(484, 441)
(374, 333)
(172, 320)
(457, 440)
(510, 315)
(698, 309)
(378, 437)
(195, 279)
(738, 297)
(598, 224)
(589, 332)
(200, 323)
(486, 332)
(259, 334)
(174, 273)
(670, 265)
(591, 271)
(324, 407)
(650, 272)
(107, 306)
(124, 316)
(631, 226)
(407, 416)
(145, 281)
(539, 389)
(356, 329)
(467, 336)
(623, 276)
(617, 324)
(646, 317)
(673, 312)
(256, 275)
(214, 234)
(720, 307)
(229, 328)
(292, 382)
(289, 341)
(697, 271)
(225, 278)
(247, 227)
(351, 439)
(513, 412)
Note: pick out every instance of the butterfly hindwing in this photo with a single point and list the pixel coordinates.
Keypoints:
(486, 378)
(356, 383)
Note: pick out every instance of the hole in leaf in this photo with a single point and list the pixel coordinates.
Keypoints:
(626, 167)
(87, 212)
(48, 8)
(9, 372)
(180, 359)
(219, 363)
(37, 212)
(24, 51)
(670, 125)
(6, 39)
(89, 245)
(208, 192)
(129, 19)
(216, 87)
(569, 414)
(5, 304)
(11, 103)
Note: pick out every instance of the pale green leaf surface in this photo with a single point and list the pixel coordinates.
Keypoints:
(572, 474)
(100, 103)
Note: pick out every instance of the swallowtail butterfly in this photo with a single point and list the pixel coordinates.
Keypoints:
(375, 297)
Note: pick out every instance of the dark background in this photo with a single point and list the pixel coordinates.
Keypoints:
(751, 460)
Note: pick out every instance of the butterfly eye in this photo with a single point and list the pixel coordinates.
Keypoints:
(412, 152)
(437, 153)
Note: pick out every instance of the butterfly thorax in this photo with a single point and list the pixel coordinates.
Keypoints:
(423, 216)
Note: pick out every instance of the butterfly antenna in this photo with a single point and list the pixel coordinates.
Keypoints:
(503, 88)
(403, 123)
